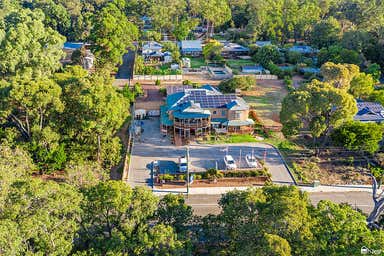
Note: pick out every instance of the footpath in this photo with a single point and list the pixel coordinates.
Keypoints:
(223, 190)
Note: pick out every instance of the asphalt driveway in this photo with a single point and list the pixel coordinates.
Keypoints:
(152, 146)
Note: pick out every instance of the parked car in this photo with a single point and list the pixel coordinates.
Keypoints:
(252, 161)
(183, 164)
(229, 162)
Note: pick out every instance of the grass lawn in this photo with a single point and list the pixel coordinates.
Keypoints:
(238, 138)
(197, 62)
(265, 98)
(236, 64)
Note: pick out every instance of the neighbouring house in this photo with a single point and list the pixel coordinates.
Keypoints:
(369, 112)
(303, 49)
(87, 60)
(191, 113)
(153, 51)
(233, 50)
(191, 47)
(255, 69)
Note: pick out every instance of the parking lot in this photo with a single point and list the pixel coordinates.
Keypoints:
(152, 146)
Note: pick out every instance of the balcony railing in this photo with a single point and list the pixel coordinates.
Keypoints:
(202, 124)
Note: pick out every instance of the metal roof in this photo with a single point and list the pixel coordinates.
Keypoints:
(191, 45)
(369, 112)
(239, 122)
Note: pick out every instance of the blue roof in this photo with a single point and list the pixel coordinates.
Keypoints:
(369, 111)
(164, 118)
(254, 67)
(209, 88)
(173, 98)
(73, 45)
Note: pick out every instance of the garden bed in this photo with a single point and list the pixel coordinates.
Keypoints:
(222, 182)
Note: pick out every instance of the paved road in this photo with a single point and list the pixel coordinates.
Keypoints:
(206, 204)
(152, 146)
(126, 68)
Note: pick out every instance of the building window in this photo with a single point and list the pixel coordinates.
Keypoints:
(223, 113)
(237, 115)
(214, 112)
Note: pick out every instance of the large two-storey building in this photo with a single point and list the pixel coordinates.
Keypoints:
(190, 113)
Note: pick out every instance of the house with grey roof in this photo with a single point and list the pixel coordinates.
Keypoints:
(233, 49)
(369, 112)
(153, 51)
(194, 112)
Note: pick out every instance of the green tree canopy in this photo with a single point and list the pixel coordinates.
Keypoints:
(326, 33)
(338, 54)
(94, 112)
(318, 107)
(111, 34)
(25, 43)
(41, 217)
(358, 136)
(215, 12)
(30, 103)
(242, 83)
(116, 219)
(339, 75)
(212, 50)
(362, 85)
(267, 54)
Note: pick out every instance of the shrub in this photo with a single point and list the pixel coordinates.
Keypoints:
(213, 173)
(187, 82)
(157, 82)
(198, 176)
(166, 177)
(163, 91)
(182, 177)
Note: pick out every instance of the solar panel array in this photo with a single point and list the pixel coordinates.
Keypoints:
(209, 101)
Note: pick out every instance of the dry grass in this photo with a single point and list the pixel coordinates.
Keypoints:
(266, 99)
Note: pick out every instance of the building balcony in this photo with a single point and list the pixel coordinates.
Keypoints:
(196, 125)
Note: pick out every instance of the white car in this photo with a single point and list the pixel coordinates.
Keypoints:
(229, 162)
(252, 161)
